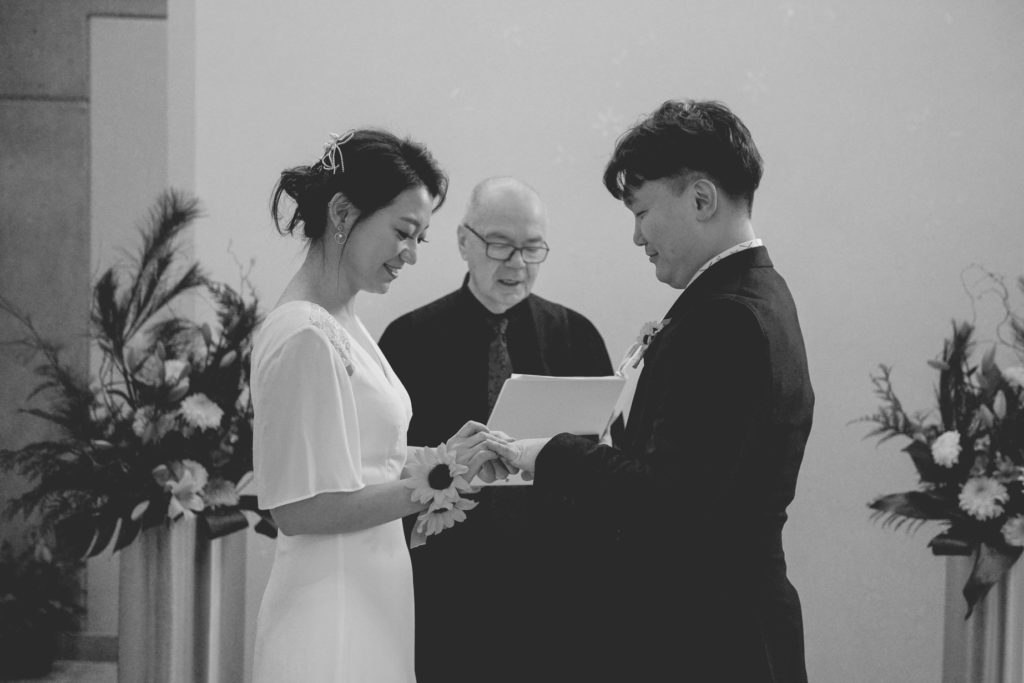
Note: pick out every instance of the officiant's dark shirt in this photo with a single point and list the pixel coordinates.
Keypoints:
(473, 582)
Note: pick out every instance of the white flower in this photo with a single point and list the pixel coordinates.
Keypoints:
(435, 476)
(243, 398)
(1014, 376)
(174, 370)
(434, 520)
(999, 405)
(946, 448)
(165, 424)
(42, 552)
(99, 412)
(636, 352)
(197, 349)
(184, 480)
(1013, 531)
(150, 370)
(200, 412)
(649, 329)
(220, 492)
(982, 497)
(142, 423)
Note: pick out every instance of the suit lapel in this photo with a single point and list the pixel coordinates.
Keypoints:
(720, 278)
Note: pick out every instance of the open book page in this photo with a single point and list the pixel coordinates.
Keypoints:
(537, 406)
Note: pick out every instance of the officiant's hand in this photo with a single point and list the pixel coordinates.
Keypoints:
(521, 454)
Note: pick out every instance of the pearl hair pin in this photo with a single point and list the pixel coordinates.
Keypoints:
(332, 160)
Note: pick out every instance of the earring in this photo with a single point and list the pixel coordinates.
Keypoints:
(340, 236)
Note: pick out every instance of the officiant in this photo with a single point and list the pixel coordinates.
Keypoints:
(453, 355)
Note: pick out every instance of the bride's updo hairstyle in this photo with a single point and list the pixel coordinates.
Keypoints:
(370, 167)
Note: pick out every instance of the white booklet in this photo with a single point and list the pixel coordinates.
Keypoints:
(538, 406)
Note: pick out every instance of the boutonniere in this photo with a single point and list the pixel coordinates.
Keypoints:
(643, 340)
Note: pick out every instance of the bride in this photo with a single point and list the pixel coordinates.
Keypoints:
(331, 416)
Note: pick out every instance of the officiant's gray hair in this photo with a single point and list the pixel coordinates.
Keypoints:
(378, 166)
(496, 186)
(684, 140)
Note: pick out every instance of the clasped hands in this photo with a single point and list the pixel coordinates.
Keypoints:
(492, 454)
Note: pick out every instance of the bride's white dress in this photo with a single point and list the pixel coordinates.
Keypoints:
(330, 415)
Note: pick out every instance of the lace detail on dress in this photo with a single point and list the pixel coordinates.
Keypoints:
(335, 334)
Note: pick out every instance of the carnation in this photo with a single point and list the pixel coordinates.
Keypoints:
(200, 412)
(982, 497)
(946, 448)
(1013, 531)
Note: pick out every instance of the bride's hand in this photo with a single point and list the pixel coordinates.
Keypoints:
(471, 446)
(464, 443)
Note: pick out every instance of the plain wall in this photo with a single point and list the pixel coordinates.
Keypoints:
(128, 171)
(45, 227)
(892, 137)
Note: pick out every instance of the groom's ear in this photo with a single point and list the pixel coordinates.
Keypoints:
(704, 196)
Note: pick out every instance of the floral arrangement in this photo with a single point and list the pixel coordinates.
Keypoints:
(969, 456)
(163, 427)
(436, 478)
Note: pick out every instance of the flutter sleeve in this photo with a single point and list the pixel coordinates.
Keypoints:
(305, 428)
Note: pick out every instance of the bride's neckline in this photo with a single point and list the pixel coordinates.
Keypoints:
(360, 330)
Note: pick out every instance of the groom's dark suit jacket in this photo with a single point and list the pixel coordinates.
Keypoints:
(679, 572)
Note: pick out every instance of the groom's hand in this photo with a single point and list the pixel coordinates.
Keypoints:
(492, 470)
(503, 469)
(520, 454)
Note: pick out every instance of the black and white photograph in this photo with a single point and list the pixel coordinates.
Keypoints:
(511, 341)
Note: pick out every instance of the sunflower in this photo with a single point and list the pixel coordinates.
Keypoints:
(437, 479)
(434, 520)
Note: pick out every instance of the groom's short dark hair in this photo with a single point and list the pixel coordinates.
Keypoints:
(683, 138)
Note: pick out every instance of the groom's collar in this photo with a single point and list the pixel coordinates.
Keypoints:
(734, 249)
(722, 272)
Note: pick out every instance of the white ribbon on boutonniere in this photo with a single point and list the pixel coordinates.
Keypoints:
(643, 340)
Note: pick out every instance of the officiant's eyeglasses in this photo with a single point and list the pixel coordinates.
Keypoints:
(502, 251)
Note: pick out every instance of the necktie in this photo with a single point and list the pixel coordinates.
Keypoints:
(499, 363)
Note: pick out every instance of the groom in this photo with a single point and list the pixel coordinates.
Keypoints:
(667, 562)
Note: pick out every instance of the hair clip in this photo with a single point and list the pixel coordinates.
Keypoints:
(332, 148)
